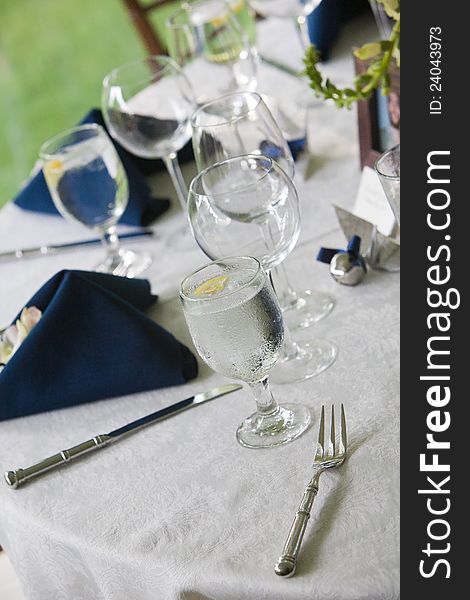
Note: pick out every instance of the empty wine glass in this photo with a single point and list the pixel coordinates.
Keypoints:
(234, 124)
(88, 184)
(248, 205)
(207, 41)
(290, 9)
(241, 123)
(236, 325)
(147, 105)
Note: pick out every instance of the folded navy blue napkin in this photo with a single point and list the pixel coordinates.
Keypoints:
(142, 208)
(92, 342)
(323, 26)
(324, 23)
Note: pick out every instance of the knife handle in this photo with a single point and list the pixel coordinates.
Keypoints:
(19, 476)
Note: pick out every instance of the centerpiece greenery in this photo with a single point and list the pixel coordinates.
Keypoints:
(380, 55)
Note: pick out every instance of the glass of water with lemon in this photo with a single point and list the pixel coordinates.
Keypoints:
(236, 325)
(88, 185)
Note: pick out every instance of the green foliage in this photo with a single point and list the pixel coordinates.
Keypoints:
(380, 54)
(53, 57)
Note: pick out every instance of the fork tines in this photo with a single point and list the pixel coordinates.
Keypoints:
(334, 449)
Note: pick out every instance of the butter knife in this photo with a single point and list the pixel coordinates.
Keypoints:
(16, 478)
(48, 249)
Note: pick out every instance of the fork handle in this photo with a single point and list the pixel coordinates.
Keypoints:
(287, 562)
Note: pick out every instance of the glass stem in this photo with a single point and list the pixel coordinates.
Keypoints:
(302, 30)
(265, 402)
(171, 163)
(290, 350)
(110, 240)
(287, 295)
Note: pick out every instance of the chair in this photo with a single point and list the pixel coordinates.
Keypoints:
(139, 14)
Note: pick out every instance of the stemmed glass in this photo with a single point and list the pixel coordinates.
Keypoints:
(207, 41)
(248, 205)
(241, 123)
(236, 325)
(291, 9)
(88, 184)
(387, 168)
(146, 106)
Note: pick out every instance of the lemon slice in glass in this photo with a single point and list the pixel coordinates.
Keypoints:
(53, 171)
(211, 286)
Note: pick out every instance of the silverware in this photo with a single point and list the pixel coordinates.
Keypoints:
(325, 458)
(16, 478)
(47, 250)
(281, 66)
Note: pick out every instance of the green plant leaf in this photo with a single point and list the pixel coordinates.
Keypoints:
(392, 8)
(372, 50)
(368, 51)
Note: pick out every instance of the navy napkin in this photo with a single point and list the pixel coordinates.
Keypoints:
(92, 342)
(142, 208)
(324, 23)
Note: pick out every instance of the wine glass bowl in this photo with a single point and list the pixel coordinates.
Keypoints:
(147, 105)
(235, 124)
(206, 40)
(88, 185)
(240, 191)
(236, 325)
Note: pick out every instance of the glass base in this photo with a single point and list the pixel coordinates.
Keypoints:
(125, 264)
(310, 360)
(287, 423)
(309, 308)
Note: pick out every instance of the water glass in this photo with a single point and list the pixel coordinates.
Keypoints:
(236, 325)
(88, 185)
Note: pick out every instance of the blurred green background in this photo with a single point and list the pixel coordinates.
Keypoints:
(53, 57)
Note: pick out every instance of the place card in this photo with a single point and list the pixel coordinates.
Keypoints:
(379, 250)
(371, 203)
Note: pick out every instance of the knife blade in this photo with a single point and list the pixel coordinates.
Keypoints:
(17, 477)
(48, 249)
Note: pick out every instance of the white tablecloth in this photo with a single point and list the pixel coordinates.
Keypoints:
(181, 510)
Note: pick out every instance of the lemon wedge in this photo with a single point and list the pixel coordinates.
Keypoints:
(211, 286)
(53, 171)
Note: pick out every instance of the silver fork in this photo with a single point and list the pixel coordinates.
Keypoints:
(327, 457)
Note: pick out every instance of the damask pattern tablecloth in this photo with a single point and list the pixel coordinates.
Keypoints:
(180, 510)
